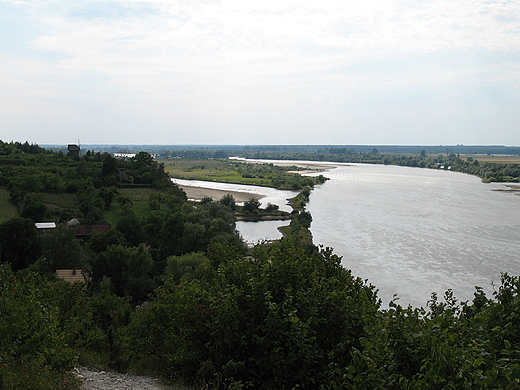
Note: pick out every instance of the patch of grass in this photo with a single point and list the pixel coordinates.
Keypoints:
(139, 197)
(7, 208)
(140, 208)
(137, 194)
(297, 233)
(495, 159)
(299, 201)
(61, 200)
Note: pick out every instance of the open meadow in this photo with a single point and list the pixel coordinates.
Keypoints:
(499, 159)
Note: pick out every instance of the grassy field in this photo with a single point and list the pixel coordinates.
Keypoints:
(137, 194)
(61, 200)
(210, 170)
(495, 159)
(7, 208)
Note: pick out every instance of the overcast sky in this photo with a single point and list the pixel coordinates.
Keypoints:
(264, 72)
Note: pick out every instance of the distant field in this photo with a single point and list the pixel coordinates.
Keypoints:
(211, 170)
(495, 159)
(7, 209)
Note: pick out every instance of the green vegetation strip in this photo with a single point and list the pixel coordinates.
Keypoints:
(230, 171)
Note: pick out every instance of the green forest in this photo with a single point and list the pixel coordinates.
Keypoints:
(174, 292)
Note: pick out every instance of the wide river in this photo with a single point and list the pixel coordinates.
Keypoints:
(413, 231)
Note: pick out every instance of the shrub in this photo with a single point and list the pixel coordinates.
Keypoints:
(277, 320)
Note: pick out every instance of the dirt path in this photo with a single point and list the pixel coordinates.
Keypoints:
(109, 380)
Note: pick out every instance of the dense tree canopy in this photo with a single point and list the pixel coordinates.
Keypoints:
(19, 243)
(276, 320)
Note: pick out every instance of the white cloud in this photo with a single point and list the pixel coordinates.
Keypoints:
(180, 35)
(215, 60)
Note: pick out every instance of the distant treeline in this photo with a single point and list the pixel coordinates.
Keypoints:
(219, 151)
(17, 147)
(433, 157)
(488, 171)
(422, 158)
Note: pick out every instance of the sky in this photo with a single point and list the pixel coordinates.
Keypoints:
(396, 72)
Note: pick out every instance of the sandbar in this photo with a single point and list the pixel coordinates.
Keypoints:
(197, 193)
(309, 166)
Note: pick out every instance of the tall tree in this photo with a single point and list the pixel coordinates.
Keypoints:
(61, 249)
(19, 242)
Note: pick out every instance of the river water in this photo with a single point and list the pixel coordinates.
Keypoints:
(409, 231)
(258, 232)
(413, 231)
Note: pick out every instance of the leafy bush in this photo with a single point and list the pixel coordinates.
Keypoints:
(449, 346)
(277, 320)
(34, 353)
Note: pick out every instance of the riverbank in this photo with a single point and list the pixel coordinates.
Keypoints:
(198, 193)
(260, 217)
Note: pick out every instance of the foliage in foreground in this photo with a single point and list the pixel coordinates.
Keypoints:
(284, 318)
(278, 319)
(450, 346)
(281, 318)
(35, 349)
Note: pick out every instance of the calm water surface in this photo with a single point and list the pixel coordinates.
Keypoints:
(412, 231)
(257, 232)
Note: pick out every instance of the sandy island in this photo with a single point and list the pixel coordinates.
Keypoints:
(309, 166)
(198, 193)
